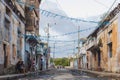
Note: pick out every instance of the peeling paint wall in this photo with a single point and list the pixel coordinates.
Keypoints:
(89, 60)
(2, 11)
(118, 46)
(108, 62)
(15, 24)
(9, 23)
(2, 8)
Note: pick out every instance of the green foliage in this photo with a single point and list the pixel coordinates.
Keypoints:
(62, 61)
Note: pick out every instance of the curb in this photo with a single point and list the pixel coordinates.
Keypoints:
(16, 76)
(99, 74)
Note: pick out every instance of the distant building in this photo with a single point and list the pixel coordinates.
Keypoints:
(82, 55)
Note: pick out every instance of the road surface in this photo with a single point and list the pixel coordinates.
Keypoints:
(64, 74)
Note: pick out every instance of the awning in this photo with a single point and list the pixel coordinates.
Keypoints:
(33, 40)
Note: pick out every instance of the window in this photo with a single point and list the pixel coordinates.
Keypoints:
(14, 51)
(110, 50)
(8, 11)
(110, 34)
(6, 30)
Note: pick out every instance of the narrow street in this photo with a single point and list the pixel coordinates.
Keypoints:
(64, 74)
(59, 39)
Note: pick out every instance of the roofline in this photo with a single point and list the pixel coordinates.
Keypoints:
(111, 15)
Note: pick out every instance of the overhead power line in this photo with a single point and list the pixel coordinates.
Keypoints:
(54, 15)
(101, 3)
(108, 12)
(70, 33)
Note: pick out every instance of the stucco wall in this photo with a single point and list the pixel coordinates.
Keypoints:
(1, 27)
(109, 63)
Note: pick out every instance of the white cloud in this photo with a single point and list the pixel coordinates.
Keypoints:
(65, 26)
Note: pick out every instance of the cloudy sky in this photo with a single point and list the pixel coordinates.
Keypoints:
(83, 9)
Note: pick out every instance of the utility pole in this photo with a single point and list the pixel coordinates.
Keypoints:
(78, 47)
(48, 36)
(54, 52)
(74, 47)
(48, 54)
(74, 54)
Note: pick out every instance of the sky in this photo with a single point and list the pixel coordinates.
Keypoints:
(84, 9)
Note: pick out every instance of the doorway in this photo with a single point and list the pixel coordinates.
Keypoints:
(99, 58)
(5, 55)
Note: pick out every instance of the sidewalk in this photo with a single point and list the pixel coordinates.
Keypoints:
(100, 74)
(16, 76)
(11, 76)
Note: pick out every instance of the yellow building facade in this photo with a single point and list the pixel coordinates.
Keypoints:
(109, 51)
(103, 45)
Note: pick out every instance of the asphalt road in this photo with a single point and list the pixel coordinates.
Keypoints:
(63, 74)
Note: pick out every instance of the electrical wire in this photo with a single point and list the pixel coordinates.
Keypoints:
(47, 13)
(108, 12)
(101, 3)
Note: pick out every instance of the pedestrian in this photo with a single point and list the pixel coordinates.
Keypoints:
(33, 64)
(17, 67)
(22, 67)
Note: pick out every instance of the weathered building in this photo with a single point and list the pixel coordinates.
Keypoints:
(108, 37)
(82, 55)
(93, 53)
(31, 32)
(103, 45)
(19, 32)
(41, 56)
(12, 26)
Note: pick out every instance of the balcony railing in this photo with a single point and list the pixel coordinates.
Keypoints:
(34, 2)
(91, 44)
(39, 50)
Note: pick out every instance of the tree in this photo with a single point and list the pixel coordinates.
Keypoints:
(62, 61)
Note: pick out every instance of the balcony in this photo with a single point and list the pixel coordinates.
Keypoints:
(30, 24)
(32, 40)
(39, 50)
(34, 2)
(91, 44)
